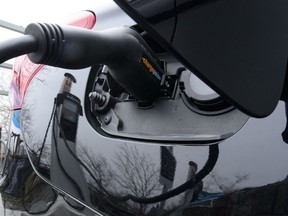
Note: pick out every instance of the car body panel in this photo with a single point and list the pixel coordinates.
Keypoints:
(241, 155)
(92, 171)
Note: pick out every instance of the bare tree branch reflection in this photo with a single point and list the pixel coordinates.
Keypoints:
(136, 172)
(5, 103)
(100, 168)
(131, 172)
(225, 185)
(38, 146)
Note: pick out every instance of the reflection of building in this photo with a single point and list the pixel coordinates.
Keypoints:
(168, 166)
(167, 172)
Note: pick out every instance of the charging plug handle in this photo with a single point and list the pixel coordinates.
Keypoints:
(129, 59)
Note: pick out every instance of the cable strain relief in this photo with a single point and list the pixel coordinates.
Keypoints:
(50, 39)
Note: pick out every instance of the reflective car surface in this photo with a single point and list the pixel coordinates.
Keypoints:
(82, 144)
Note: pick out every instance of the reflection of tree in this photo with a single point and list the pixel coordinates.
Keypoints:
(136, 173)
(37, 145)
(4, 116)
(27, 123)
(100, 168)
(30, 118)
(133, 172)
(5, 105)
(99, 175)
(226, 185)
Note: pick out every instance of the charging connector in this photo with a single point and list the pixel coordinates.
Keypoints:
(130, 60)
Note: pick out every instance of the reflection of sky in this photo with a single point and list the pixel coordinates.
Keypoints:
(257, 149)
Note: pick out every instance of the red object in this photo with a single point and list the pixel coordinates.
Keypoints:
(84, 19)
(24, 70)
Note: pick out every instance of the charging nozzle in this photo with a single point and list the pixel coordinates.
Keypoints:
(129, 59)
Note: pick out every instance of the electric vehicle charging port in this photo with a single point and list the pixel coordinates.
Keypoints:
(114, 112)
(168, 87)
(107, 92)
(200, 98)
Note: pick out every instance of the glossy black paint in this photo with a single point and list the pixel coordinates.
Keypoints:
(113, 168)
(21, 189)
(234, 46)
(94, 170)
